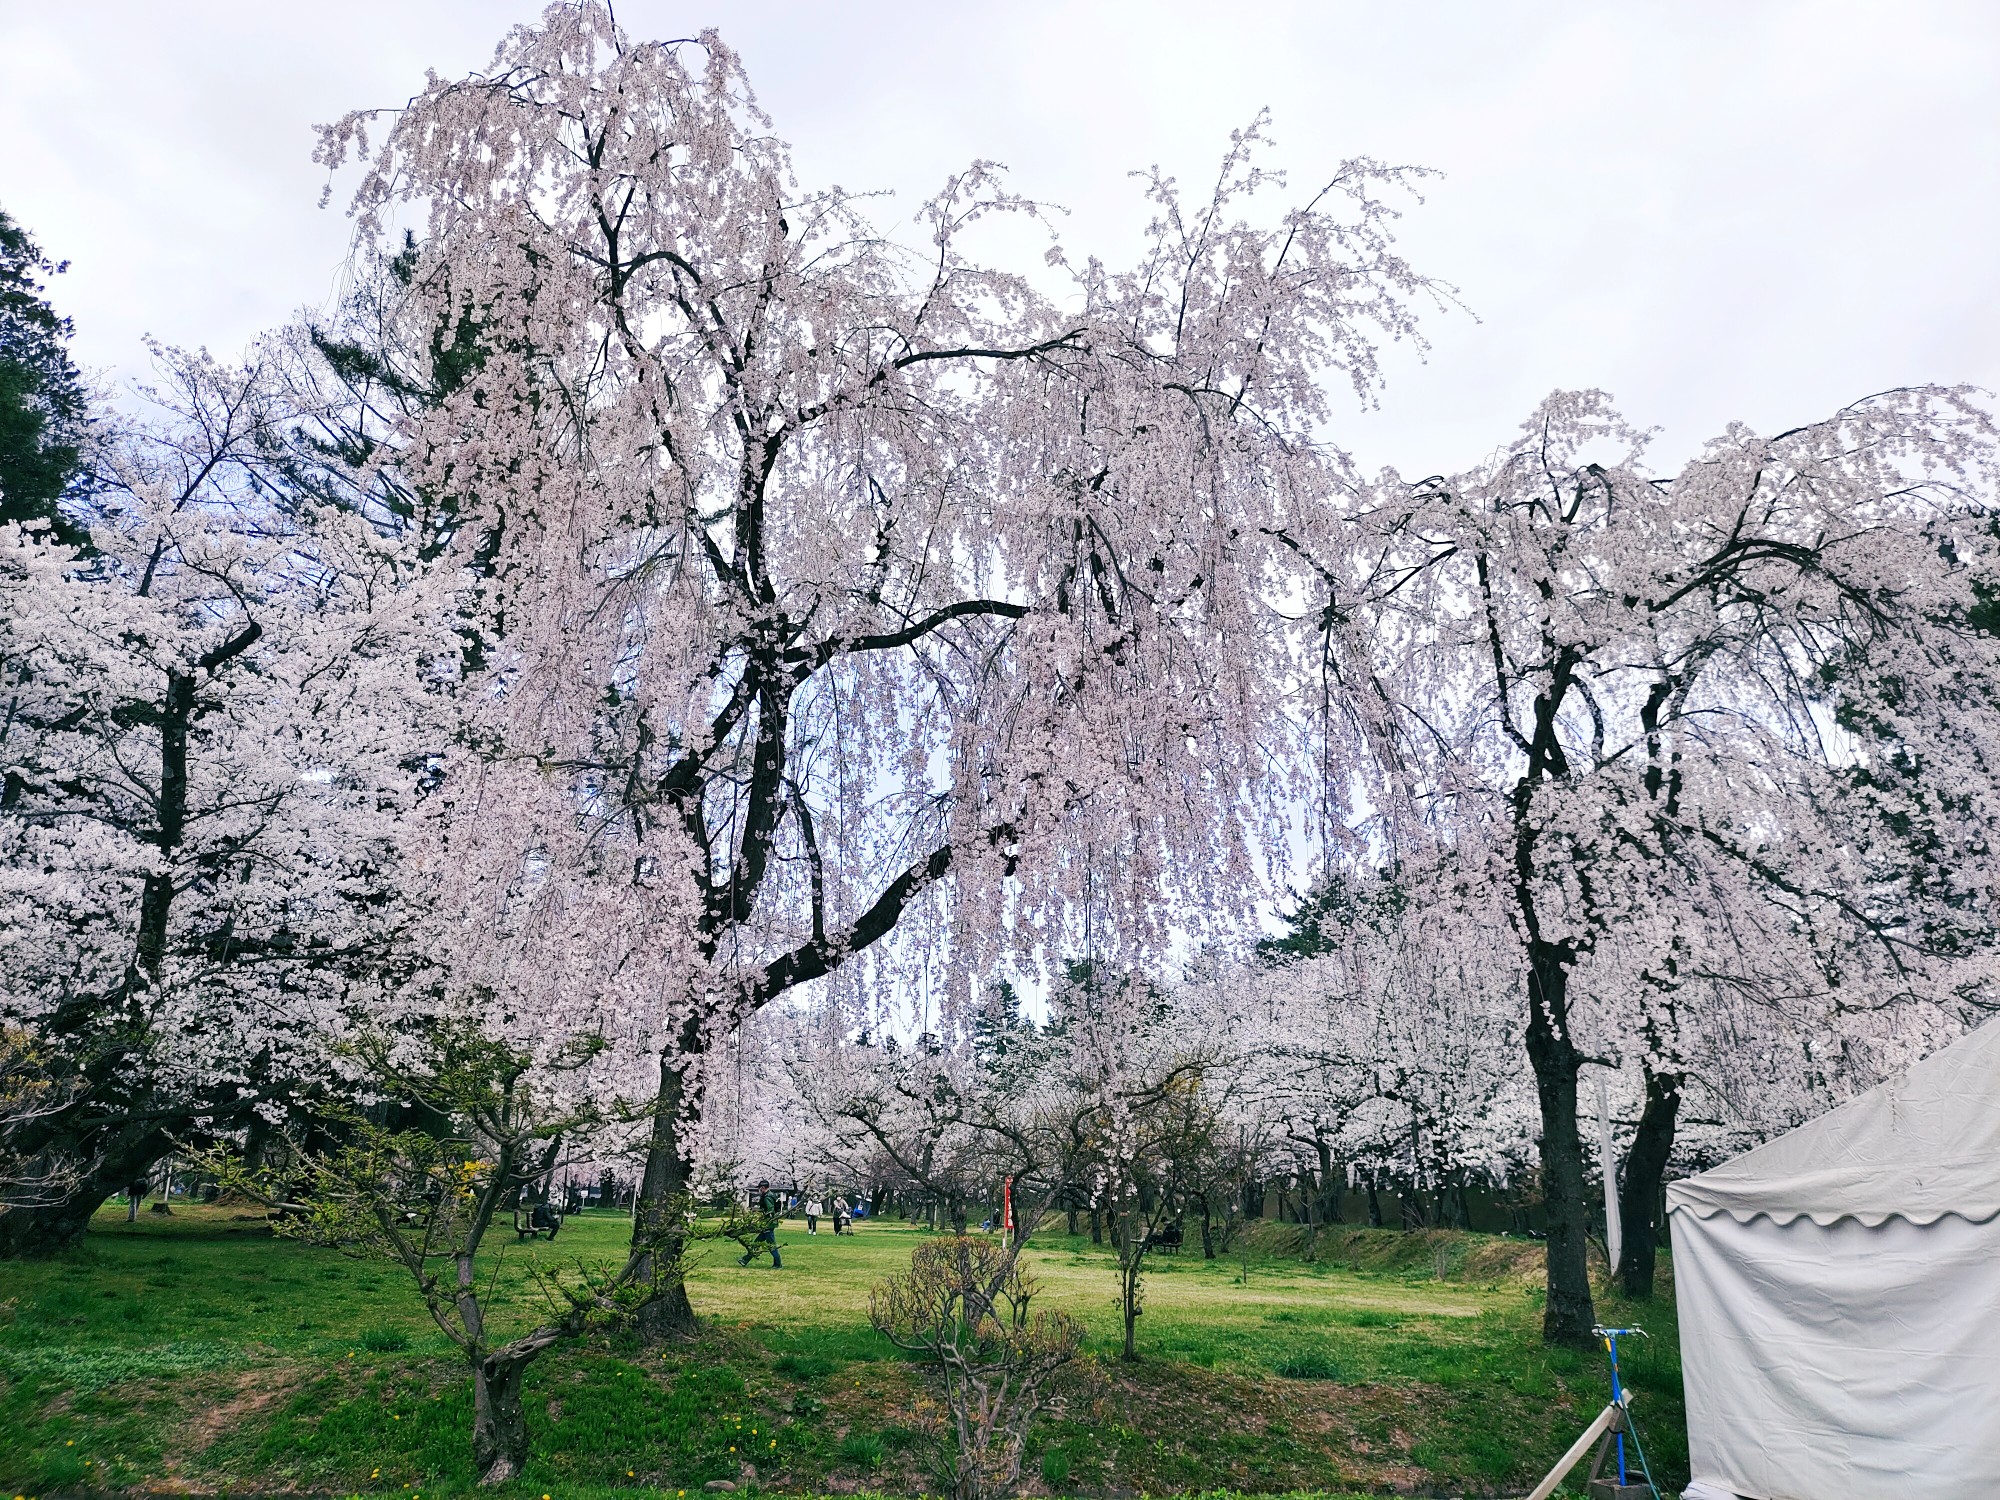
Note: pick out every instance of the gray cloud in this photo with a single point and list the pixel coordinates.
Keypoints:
(1716, 211)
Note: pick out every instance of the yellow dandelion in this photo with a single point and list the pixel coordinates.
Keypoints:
(732, 1447)
(774, 1442)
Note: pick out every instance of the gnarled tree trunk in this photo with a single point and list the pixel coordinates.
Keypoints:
(37, 1229)
(1569, 1314)
(499, 1422)
(1645, 1166)
(662, 1193)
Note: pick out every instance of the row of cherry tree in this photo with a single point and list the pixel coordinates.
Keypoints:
(1376, 1050)
(656, 596)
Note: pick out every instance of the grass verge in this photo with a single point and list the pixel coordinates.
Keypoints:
(198, 1354)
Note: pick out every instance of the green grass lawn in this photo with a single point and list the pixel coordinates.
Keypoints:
(198, 1353)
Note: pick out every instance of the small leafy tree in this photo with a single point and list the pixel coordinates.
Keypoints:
(963, 1305)
(492, 1120)
(1163, 1130)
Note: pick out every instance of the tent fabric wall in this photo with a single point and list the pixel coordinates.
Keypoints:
(1841, 1361)
(1839, 1294)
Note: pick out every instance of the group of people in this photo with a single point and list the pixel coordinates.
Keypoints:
(843, 1216)
(770, 1206)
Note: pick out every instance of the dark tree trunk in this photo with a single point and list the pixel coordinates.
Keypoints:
(1645, 1166)
(1132, 1257)
(1410, 1207)
(157, 897)
(662, 1193)
(1374, 1204)
(499, 1424)
(256, 1144)
(1452, 1212)
(112, 1158)
(1329, 1186)
(50, 1229)
(1096, 1225)
(1070, 1209)
(1207, 1231)
(1569, 1314)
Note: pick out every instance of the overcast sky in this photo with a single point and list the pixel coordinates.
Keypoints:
(1715, 211)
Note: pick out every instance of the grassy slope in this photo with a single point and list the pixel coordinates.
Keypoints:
(197, 1352)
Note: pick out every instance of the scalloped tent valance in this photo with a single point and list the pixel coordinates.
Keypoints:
(1919, 1147)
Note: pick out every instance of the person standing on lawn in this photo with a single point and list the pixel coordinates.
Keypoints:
(767, 1209)
(842, 1224)
(812, 1214)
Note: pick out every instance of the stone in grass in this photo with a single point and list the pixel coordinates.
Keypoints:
(720, 1487)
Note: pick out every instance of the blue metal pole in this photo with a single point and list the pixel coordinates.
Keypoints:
(1618, 1399)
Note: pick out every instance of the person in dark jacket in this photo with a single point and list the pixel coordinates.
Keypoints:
(767, 1209)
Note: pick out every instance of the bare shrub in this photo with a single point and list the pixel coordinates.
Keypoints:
(963, 1305)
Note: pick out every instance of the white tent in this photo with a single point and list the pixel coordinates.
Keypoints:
(1839, 1294)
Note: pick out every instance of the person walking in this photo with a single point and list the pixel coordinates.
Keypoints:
(767, 1210)
(842, 1224)
(812, 1215)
